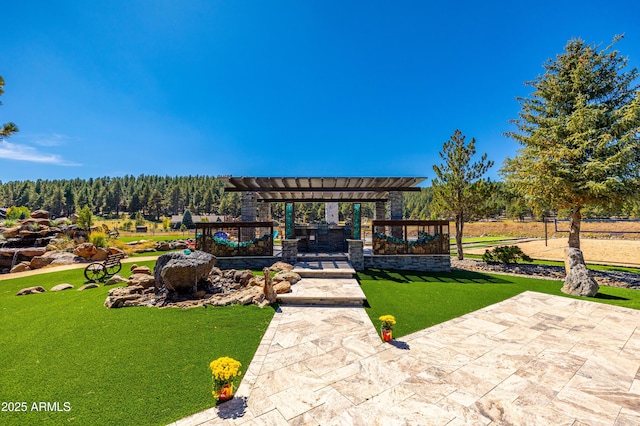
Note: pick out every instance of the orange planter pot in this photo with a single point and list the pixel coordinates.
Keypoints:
(386, 335)
(226, 393)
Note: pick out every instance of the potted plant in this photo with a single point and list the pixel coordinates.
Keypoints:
(388, 321)
(223, 371)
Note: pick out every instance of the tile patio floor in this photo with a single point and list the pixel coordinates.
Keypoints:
(534, 359)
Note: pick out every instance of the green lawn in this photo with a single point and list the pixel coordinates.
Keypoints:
(142, 366)
(593, 266)
(420, 300)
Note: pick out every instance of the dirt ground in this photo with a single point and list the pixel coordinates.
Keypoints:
(620, 230)
(613, 252)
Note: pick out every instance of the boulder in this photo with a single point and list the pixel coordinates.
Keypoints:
(141, 270)
(116, 250)
(116, 279)
(38, 262)
(20, 267)
(282, 287)
(257, 281)
(85, 250)
(180, 245)
(281, 266)
(101, 254)
(40, 214)
(88, 286)
(31, 290)
(163, 246)
(181, 272)
(243, 277)
(61, 287)
(578, 281)
(63, 258)
(141, 280)
(292, 277)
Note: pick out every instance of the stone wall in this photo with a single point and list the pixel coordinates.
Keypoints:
(427, 263)
(290, 251)
(255, 262)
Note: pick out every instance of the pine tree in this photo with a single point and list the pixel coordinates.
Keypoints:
(579, 132)
(6, 129)
(458, 190)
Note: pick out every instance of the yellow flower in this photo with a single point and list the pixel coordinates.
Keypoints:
(388, 321)
(223, 370)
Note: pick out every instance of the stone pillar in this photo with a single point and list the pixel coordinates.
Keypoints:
(356, 254)
(395, 211)
(331, 213)
(380, 213)
(248, 214)
(264, 212)
(290, 251)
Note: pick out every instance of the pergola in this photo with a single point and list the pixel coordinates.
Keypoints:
(330, 190)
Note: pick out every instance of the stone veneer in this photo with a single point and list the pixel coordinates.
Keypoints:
(407, 262)
(290, 251)
(356, 254)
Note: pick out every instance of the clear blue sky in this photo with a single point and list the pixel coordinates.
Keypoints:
(276, 88)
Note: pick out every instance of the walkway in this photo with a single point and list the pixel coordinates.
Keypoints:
(531, 359)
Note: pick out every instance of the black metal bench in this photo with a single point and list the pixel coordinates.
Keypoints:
(98, 271)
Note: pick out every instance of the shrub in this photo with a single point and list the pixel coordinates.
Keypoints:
(127, 225)
(85, 218)
(139, 219)
(187, 219)
(10, 222)
(15, 213)
(98, 239)
(506, 254)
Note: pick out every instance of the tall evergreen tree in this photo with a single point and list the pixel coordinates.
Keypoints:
(7, 129)
(579, 132)
(459, 189)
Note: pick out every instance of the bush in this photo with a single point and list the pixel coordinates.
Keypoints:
(85, 218)
(127, 225)
(139, 219)
(187, 220)
(98, 239)
(15, 213)
(505, 254)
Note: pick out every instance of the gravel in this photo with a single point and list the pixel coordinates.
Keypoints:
(607, 278)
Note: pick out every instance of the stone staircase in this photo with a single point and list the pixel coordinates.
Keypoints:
(327, 279)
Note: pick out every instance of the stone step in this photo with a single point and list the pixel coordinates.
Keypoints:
(324, 269)
(321, 291)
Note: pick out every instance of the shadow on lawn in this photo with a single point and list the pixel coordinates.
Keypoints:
(609, 297)
(406, 277)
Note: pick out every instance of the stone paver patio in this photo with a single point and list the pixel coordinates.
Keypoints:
(532, 359)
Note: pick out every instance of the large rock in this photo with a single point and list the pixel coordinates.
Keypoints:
(85, 250)
(20, 267)
(63, 258)
(292, 277)
(268, 291)
(181, 272)
(101, 254)
(40, 214)
(578, 281)
(141, 280)
(281, 266)
(38, 262)
(11, 232)
(61, 287)
(282, 287)
(116, 279)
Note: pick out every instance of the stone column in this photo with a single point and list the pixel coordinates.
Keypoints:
(356, 254)
(264, 212)
(380, 213)
(290, 251)
(331, 213)
(248, 214)
(395, 211)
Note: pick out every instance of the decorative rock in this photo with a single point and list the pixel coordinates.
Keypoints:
(243, 277)
(116, 250)
(85, 250)
(40, 214)
(31, 290)
(101, 254)
(116, 279)
(61, 287)
(180, 272)
(133, 266)
(38, 262)
(88, 286)
(163, 246)
(141, 280)
(292, 277)
(11, 232)
(20, 267)
(257, 281)
(63, 258)
(141, 270)
(282, 287)
(578, 281)
(269, 293)
(281, 266)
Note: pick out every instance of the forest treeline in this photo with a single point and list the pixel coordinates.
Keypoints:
(158, 196)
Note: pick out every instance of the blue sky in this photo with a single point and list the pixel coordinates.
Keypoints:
(276, 88)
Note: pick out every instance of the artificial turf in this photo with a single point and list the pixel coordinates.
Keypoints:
(142, 366)
(420, 300)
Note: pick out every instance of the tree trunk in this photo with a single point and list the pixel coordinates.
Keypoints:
(459, 226)
(574, 229)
